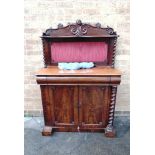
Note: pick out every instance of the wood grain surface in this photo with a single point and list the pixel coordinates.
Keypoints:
(99, 70)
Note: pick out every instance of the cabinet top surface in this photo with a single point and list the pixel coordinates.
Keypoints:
(96, 71)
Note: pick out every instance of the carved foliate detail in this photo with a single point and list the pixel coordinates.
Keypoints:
(110, 31)
(79, 22)
(60, 25)
(98, 25)
(48, 32)
(112, 105)
(78, 29)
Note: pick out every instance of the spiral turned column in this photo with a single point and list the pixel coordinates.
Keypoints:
(112, 105)
(114, 52)
(43, 44)
(109, 130)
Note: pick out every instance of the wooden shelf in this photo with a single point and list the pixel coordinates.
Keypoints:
(96, 71)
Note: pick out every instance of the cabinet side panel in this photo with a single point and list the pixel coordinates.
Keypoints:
(46, 105)
(51, 101)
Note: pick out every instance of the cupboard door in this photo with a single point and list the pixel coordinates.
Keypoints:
(64, 101)
(93, 106)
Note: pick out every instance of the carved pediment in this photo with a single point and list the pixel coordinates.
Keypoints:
(80, 29)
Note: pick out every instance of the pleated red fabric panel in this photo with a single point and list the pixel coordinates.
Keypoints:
(79, 52)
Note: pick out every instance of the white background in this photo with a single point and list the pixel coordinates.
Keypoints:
(142, 77)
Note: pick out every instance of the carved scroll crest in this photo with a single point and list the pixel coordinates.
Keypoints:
(78, 29)
(110, 30)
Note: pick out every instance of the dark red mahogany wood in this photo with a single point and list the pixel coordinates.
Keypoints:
(80, 32)
(79, 100)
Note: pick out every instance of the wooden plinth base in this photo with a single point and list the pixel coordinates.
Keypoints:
(110, 132)
(47, 131)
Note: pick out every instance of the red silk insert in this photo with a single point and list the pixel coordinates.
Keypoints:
(79, 52)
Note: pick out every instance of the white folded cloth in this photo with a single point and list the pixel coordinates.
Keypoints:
(75, 65)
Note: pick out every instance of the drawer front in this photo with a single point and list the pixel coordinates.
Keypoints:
(73, 80)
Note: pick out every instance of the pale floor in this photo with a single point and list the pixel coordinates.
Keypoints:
(69, 143)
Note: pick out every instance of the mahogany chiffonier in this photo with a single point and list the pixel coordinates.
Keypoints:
(84, 99)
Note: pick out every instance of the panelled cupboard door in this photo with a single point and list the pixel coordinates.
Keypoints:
(64, 103)
(93, 109)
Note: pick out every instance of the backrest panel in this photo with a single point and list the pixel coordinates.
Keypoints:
(79, 52)
(79, 42)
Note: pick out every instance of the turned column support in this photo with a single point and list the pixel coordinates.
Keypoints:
(109, 130)
(114, 52)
